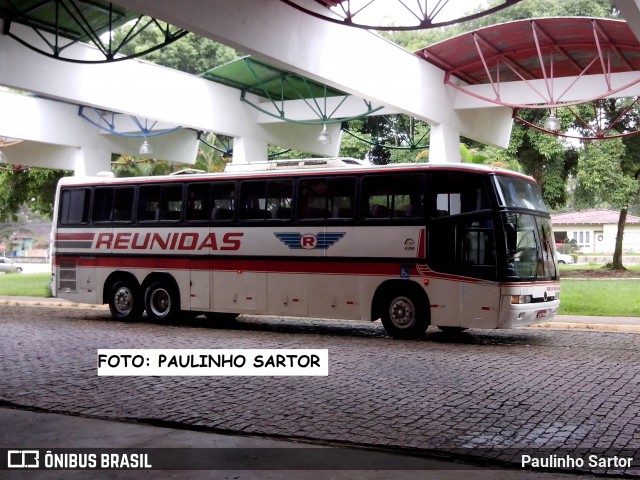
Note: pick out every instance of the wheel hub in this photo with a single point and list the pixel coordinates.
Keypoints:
(402, 312)
(123, 300)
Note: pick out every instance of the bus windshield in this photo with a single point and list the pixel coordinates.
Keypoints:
(519, 193)
(530, 247)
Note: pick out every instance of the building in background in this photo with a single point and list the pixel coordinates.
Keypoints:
(594, 231)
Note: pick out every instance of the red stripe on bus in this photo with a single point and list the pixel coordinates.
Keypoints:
(325, 267)
(75, 236)
(242, 266)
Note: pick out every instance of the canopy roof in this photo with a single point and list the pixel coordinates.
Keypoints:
(538, 49)
(68, 18)
(254, 76)
(60, 24)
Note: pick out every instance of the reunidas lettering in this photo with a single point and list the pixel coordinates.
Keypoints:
(185, 241)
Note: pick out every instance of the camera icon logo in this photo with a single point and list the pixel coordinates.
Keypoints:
(23, 459)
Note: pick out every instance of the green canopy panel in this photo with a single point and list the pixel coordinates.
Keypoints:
(62, 23)
(259, 78)
(278, 86)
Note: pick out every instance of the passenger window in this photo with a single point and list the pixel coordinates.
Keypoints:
(122, 204)
(171, 202)
(149, 204)
(112, 204)
(102, 204)
(198, 201)
(266, 200)
(394, 197)
(74, 206)
(223, 201)
(324, 198)
(456, 193)
(160, 203)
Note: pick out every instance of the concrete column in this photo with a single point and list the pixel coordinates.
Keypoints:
(444, 145)
(248, 150)
(89, 161)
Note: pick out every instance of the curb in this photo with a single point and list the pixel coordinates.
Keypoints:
(51, 304)
(587, 326)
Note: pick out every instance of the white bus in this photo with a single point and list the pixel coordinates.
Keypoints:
(453, 245)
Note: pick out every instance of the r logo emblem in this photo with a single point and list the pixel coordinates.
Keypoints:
(308, 241)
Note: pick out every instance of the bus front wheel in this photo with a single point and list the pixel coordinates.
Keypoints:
(124, 301)
(404, 315)
(161, 301)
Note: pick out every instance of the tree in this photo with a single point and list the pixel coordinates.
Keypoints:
(131, 166)
(34, 187)
(610, 177)
(385, 139)
(602, 181)
(190, 54)
(212, 159)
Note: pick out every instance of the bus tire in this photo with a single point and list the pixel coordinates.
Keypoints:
(404, 314)
(125, 302)
(161, 301)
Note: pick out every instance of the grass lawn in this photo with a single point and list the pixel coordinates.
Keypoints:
(616, 298)
(25, 284)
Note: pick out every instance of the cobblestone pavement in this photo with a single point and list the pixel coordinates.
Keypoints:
(491, 395)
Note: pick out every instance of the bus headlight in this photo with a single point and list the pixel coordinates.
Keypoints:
(518, 299)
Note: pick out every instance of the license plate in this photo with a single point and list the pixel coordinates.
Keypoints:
(541, 314)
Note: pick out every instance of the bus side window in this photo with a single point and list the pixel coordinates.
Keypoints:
(112, 204)
(171, 202)
(279, 199)
(223, 201)
(393, 196)
(122, 204)
(456, 193)
(102, 204)
(312, 199)
(149, 203)
(327, 198)
(198, 199)
(341, 194)
(266, 200)
(74, 206)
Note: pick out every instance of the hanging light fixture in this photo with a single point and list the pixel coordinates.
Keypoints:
(145, 148)
(324, 137)
(552, 123)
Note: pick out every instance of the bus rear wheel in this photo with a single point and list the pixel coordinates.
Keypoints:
(161, 301)
(404, 315)
(124, 301)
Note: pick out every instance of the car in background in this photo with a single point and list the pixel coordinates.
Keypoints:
(7, 266)
(564, 258)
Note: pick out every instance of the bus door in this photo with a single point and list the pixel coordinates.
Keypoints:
(479, 290)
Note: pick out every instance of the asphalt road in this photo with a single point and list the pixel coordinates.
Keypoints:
(484, 396)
